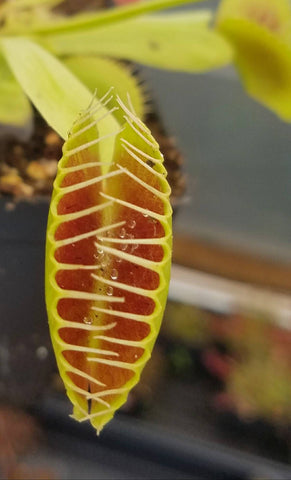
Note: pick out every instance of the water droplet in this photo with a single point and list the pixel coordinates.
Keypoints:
(131, 223)
(88, 320)
(99, 249)
(145, 215)
(122, 233)
(114, 274)
(124, 247)
(118, 260)
(109, 290)
(41, 352)
(96, 256)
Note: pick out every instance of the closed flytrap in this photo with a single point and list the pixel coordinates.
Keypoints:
(108, 256)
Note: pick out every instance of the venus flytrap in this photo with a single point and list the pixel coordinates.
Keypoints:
(108, 261)
(109, 232)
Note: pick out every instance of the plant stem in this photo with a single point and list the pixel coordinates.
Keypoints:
(35, 3)
(86, 21)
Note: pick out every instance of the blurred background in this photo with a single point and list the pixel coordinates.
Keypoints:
(214, 401)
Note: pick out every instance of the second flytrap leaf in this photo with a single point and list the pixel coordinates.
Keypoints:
(179, 41)
(259, 32)
(109, 243)
(99, 73)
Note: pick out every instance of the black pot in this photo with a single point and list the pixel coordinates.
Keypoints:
(26, 358)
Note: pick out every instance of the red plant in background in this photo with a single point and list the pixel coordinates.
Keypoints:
(218, 364)
(256, 368)
(19, 435)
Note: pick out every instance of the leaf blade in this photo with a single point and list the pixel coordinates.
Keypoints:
(15, 108)
(179, 42)
(43, 79)
(54, 90)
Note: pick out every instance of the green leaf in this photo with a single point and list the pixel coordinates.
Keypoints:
(102, 73)
(179, 42)
(54, 90)
(15, 108)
